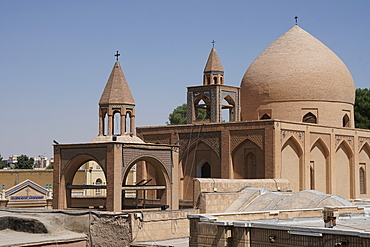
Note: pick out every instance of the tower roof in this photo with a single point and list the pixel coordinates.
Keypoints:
(213, 63)
(116, 90)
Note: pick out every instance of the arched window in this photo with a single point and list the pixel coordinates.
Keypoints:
(98, 191)
(117, 123)
(105, 124)
(215, 80)
(312, 177)
(265, 116)
(228, 109)
(346, 121)
(309, 118)
(205, 170)
(362, 181)
(202, 107)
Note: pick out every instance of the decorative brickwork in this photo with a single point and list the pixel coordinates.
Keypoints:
(213, 139)
(98, 154)
(286, 134)
(158, 138)
(340, 138)
(362, 141)
(132, 154)
(237, 137)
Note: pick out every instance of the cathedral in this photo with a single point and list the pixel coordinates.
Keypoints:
(292, 117)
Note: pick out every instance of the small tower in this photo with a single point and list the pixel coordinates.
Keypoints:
(116, 106)
(213, 72)
(208, 102)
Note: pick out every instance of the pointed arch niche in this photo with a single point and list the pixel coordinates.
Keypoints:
(364, 162)
(319, 158)
(342, 171)
(248, 160)
(192, 162)
(291, 163)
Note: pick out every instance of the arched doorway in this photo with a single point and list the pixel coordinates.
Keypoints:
(79, 179)
(146, 184)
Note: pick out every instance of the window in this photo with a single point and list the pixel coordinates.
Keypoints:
(362, 180)
(265, 116)
(346, 121)
(309, 118)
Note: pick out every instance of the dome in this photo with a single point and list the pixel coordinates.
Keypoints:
(296, 67)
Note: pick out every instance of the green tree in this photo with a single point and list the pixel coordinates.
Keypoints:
(24, 162)
(179, 115)
(2, 164)
(362, 108)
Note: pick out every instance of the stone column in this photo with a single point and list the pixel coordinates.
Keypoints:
(132, 124)
(110, 125)
(114, 178)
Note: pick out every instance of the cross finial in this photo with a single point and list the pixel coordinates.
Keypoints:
(213, 43)
(117, 55)
(296, 20)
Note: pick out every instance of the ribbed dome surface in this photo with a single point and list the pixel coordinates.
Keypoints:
(297, 67)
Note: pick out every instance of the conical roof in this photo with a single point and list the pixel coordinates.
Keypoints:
(116, 90)
(213, 63)
(297, 67)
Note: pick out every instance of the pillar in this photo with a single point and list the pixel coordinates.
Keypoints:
(114, 178)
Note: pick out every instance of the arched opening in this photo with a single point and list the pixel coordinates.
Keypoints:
(319, 161)
(117, 123)
(251, 166)
(312, 176)
(105, 124)
(342, 171)
(364, 160)
(205, 171)
(346, 121)
(248, 161)
(98, 182)
(83, 191)
(362, 180)
(145, 184)
(265, 116)
(128, 122)
(202, 106)
(228, 109)
(291, 163)
(192, 161)
(309, 118)
(215, 80)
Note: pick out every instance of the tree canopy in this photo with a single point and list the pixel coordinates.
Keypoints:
(179, 115)
(362, 108)
(2, 164)
(24, 162)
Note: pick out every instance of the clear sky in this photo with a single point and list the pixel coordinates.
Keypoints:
(56, 56)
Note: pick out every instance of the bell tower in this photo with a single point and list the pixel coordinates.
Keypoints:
(213, 102)
(116, 105)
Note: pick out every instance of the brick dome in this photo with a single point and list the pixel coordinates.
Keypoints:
(295, 67)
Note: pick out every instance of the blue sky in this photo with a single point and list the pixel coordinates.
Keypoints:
(56, 56)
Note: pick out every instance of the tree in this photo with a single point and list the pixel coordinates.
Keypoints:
(2, 164)
(362, 108)
(179, 115)
(24, 162)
